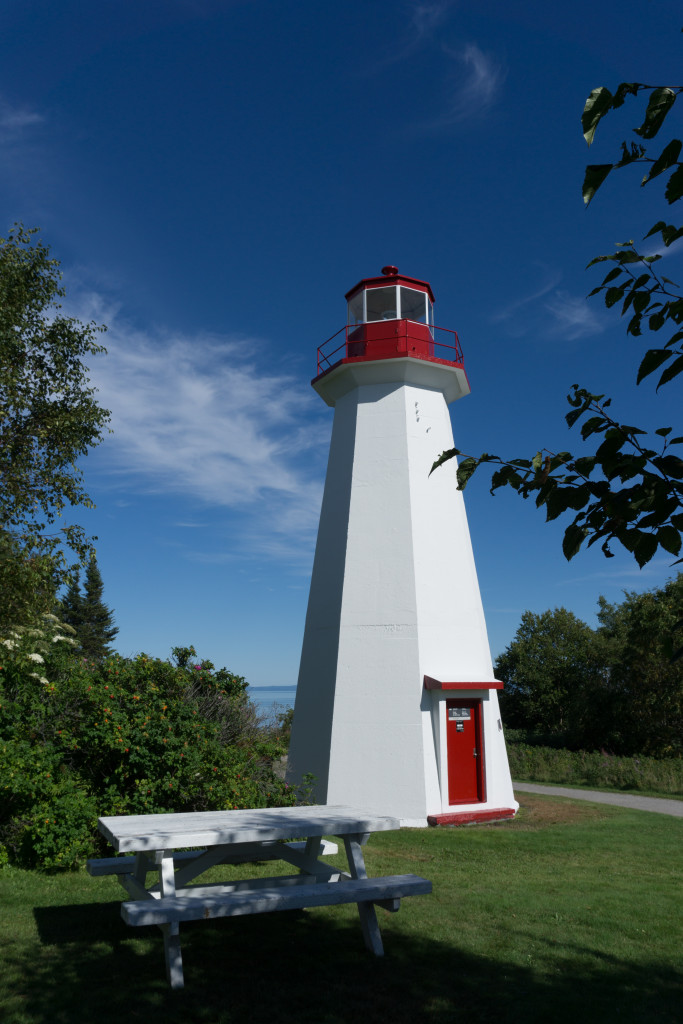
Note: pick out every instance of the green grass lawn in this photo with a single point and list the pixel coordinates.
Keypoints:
(569, 913)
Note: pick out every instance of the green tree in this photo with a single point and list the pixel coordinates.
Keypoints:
(630, 488)
(27, 583)
(71, 605)
(49, 419)
(92, 619)
(618, 687)
(645, 681)
(550, 669)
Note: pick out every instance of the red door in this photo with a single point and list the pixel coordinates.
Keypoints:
(465, 752)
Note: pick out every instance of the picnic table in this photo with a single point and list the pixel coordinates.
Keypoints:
(181, 847)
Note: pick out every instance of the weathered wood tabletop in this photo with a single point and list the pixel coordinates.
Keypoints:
(139, 832)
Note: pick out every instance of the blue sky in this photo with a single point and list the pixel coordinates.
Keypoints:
(215, 175)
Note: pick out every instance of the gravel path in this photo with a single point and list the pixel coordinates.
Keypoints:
(639, 803)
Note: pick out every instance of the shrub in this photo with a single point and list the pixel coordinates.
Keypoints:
(123, 736)
(579, 767)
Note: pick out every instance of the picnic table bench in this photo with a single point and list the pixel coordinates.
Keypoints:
(159, 842)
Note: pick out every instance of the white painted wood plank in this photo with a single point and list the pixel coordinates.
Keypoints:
(200, 890)
(308, 865)
(134, 888)
(127, 865)
(97, 866)
(173, 954)
(366, 911)
(140, 832)
(164, 859)
(259, 901)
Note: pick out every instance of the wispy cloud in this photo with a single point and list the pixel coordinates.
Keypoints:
(416, 30)
(526, 300)
(427, 17)
(548, 311)
(573, 317)
(14, 120)
(475, 84)
(655, 572)
(472, 77)
(204, 417)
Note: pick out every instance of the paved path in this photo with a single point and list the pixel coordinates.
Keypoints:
(639, 803)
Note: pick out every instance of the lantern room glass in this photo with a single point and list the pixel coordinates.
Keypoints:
(395, 302)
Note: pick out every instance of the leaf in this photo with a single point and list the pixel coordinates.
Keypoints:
(664, 431)
(444, 457)
(659, 105)
(597, 105)
(600, 259)
(595, 175)
(614, 272)
(670, 465)
(670, 539)
(629, 156)
(644, 548)
(574, 537)
(613, 295)
(674, 186)
(659, 226)
(585, 465)
(640, 301)
(672, 370)
(593, 425)
(670, 234)
(631, 257)
(656, 320)
(624, 90)
(465, 471)
(666, 159)
(653, 358)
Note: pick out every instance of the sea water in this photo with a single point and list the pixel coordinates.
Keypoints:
(272, 700)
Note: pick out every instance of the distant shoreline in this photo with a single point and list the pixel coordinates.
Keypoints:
(271, 687)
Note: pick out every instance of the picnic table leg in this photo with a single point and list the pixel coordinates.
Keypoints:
(366, 911)
(170, 931)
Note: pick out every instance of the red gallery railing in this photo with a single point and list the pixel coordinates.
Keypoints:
(354, 345)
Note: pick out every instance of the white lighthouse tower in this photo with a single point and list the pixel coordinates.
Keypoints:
(396, 707)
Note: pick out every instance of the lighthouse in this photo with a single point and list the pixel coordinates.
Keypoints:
(396, 706)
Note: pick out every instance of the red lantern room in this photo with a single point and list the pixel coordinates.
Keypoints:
(390, 317)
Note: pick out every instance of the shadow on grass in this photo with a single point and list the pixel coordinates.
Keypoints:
(301, 967)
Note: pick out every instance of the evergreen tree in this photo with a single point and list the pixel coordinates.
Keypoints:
(96, 628)
(71, 605)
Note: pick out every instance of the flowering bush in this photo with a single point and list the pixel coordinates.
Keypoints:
(124, 736)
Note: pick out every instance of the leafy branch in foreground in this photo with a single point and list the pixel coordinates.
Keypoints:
(651, 300)
(627, 490)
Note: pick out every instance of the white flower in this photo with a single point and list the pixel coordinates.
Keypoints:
(41, 679)
(66, 639)
(38, 658)
(8, 643)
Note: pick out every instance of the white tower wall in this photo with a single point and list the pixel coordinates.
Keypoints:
(394, 598)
